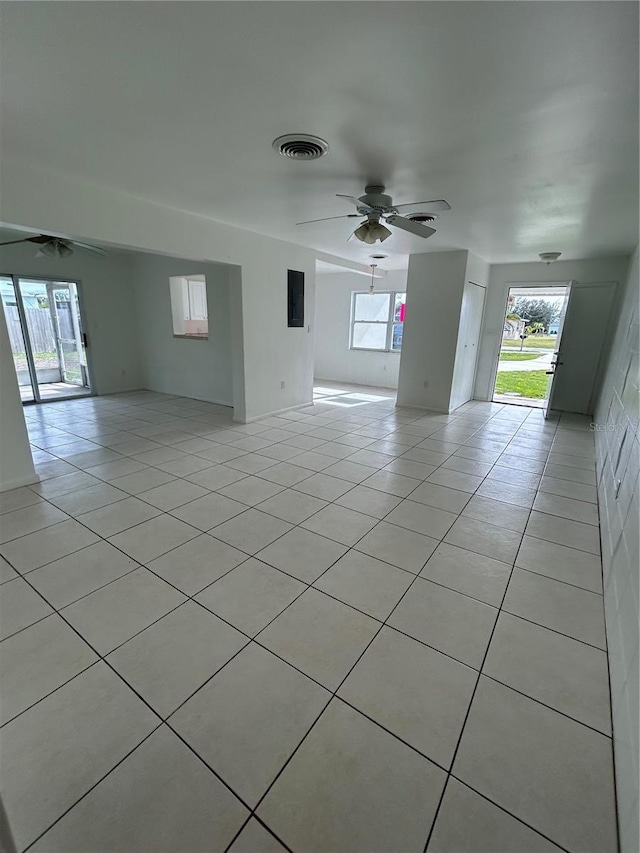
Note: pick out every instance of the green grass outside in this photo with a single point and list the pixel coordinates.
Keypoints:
(518, 356)
(529, 383)
(42, 360)
(533, 342)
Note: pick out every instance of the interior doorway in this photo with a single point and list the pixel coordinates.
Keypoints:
(532, 330)
(47, 339)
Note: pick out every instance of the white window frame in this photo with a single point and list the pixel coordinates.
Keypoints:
(389, 322)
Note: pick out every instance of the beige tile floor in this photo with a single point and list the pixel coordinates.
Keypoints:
(351, 627)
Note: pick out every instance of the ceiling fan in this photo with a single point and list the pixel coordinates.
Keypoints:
(377, 206)
(55, 247)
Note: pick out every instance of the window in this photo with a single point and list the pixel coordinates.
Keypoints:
(189, 306)
(377, 321)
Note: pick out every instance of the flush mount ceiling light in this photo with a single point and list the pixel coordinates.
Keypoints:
(549, 257)
(300, 146)
(370, 231)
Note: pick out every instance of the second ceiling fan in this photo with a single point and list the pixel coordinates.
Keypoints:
(55, 247)
(379, 208)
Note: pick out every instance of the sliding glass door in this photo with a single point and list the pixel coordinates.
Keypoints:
(15, 327)
(48, 344)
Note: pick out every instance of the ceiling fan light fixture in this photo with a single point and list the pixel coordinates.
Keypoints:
(55, 249)
(381, 232)
(370, 232)
(362, 233)
(549, 257)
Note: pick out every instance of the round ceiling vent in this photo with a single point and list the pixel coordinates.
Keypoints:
(378, 257)
(301, 146)
(422, 217)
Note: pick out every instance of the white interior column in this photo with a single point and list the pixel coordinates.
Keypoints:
(435, 285)
(16, 464)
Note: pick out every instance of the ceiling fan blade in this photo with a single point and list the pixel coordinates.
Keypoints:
(433, 205)
(13, 242)
(352, 200)
(95, 249)
(42, 238)
(327, 218)
(408, 225)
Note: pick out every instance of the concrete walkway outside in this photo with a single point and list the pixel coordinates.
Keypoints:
(541, 363)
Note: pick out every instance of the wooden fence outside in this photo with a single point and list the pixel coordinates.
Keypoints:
(40, 330)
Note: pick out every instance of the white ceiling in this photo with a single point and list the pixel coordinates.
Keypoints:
(523, 115)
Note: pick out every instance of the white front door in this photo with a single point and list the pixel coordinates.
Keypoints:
(579, 356)
(555, 358)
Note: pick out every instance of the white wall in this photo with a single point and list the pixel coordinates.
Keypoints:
(272, 354)
(435, 285)
(618, 461)
(502, 276)
(106, 294)
(189, 367)
(16, 464)
(333, 358)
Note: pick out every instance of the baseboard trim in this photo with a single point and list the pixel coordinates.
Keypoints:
(320, 379)
(19, 482)
(422, 408)
(273, 414)
(215, 402)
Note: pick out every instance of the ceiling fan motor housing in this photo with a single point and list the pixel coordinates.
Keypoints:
(374, 196)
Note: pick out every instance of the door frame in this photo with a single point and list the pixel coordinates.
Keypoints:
(47, 279)
(498, 344)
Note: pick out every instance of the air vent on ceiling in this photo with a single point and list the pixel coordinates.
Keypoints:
(378, 257)
(301, 146)
(422, 217)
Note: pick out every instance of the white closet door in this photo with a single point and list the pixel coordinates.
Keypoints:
(468, 341)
